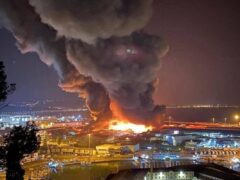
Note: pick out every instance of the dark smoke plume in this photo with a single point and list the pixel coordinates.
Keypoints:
(89, 20)
(34, 36)
(126, 66)
(96, 48)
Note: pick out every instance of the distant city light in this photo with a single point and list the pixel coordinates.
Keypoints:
(149, 147)
(176, 132)
(236, 117)
(181, 174)
(161, 175)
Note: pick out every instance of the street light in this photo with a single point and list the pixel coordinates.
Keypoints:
(236, 117)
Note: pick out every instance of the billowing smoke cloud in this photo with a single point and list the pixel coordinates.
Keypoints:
(126, 66)
(89, 20)
(95, 95)
(94, 46)
(34, 36)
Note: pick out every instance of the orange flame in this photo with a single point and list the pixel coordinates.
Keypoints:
(123, 123)
(126, 126)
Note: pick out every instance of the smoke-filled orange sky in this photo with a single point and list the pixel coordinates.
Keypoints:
(201, 67)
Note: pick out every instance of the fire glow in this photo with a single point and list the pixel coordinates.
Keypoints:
(126, 126)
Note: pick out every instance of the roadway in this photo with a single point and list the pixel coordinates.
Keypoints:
(200, 126)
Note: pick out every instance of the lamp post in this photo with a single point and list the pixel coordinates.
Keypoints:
(89, 140)
(213, 120)
(225, 120)
(89, 145)
(169, 120)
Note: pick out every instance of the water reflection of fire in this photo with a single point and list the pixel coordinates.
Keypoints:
(127, 126)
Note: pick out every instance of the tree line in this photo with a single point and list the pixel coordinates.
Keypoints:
(20, 142)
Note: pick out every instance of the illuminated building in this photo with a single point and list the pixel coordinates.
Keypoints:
(169, 175)
(185, 172)
(178, 139)
(9, 121)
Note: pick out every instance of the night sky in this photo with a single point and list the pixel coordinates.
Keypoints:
(202, 66)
